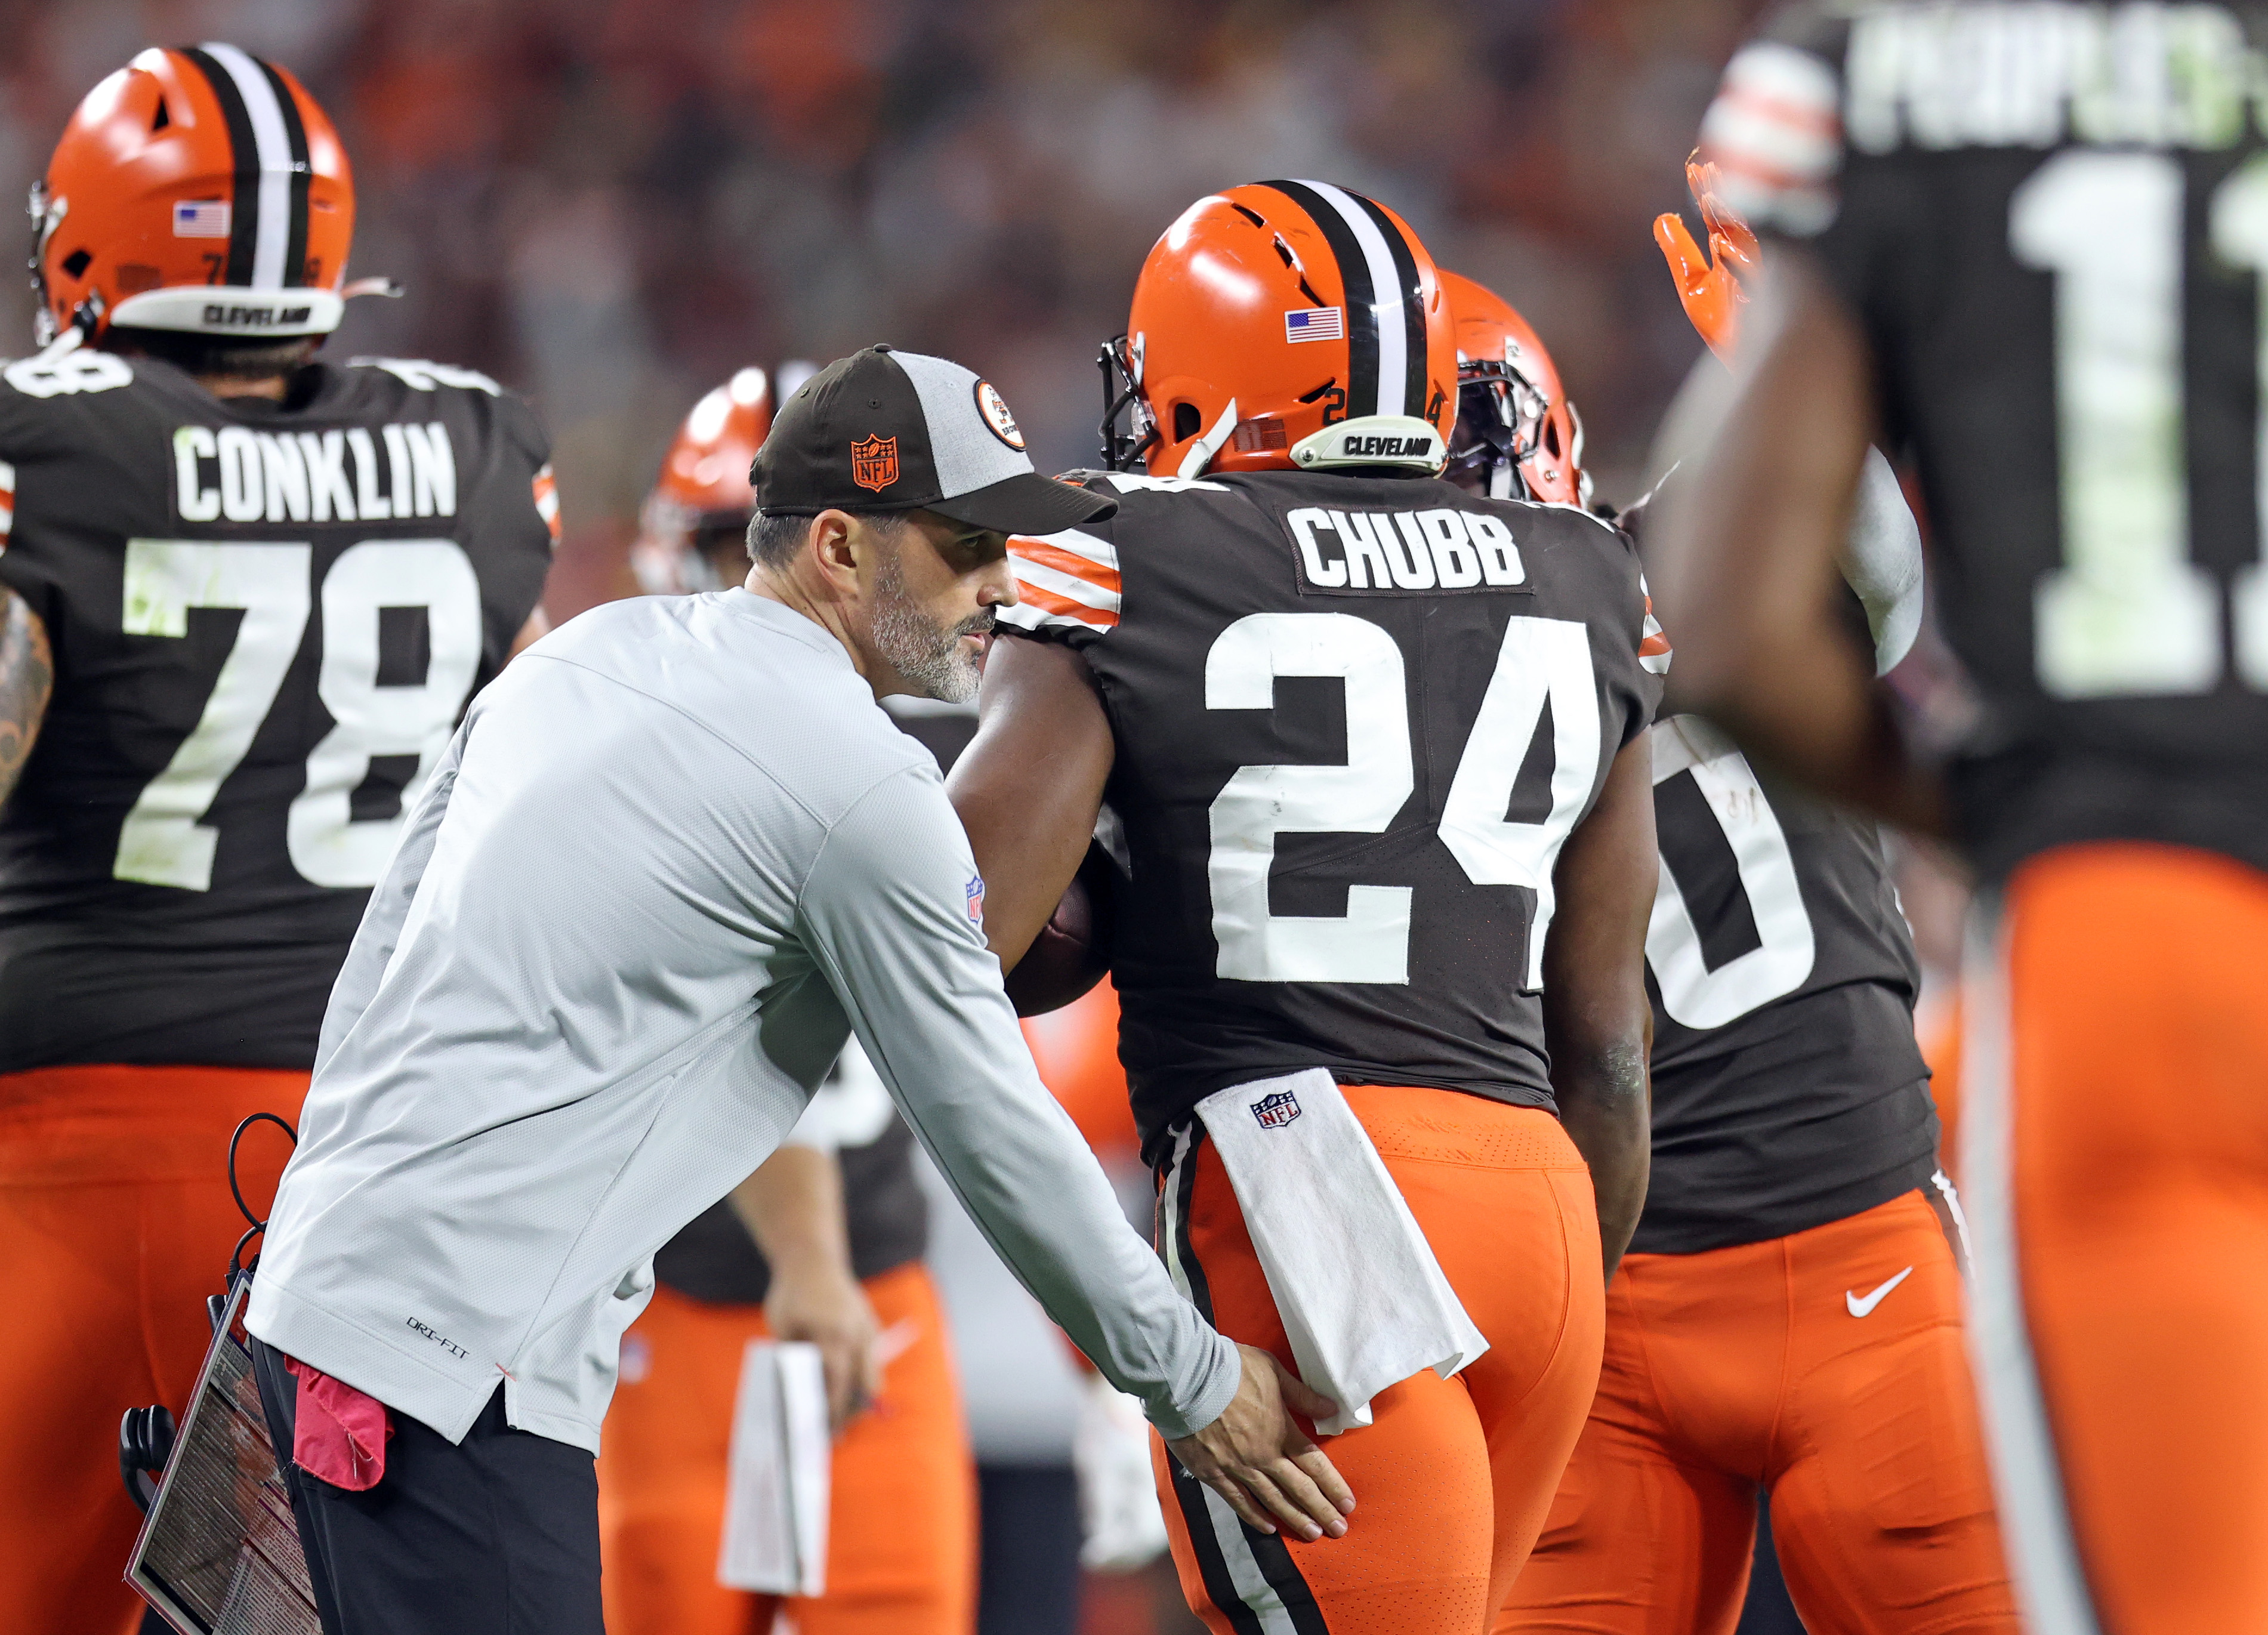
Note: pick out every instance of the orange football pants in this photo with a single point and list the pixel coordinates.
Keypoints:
(115, 1224)
(1452, 1478)
(901, 1517)
(1826, 1366)
(2115, 1162)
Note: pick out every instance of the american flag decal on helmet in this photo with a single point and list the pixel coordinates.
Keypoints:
(201, 219)
(1319, 323)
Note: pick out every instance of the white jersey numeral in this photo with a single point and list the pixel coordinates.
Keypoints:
(1540, 660)
(1370, 941)
(163, 841)
(2239, 226)
(329, 846)
(2128, 614)
(1693, 994)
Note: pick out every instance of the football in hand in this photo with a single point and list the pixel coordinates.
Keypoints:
(1072, 951)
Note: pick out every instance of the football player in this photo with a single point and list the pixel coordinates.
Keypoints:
(2023, 245)
(1789, 1315)
(244, 597)
(824, 1243)
(1375, 748)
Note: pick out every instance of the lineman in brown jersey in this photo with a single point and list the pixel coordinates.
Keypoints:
(243, 599)
(2022, 245)
(1375, 752)
(1789, 1315)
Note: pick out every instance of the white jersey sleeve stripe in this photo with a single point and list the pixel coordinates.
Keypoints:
(1032, 574)
(1102, 553)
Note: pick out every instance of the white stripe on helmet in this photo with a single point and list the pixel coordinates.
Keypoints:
(1386, 302)
(272, 145)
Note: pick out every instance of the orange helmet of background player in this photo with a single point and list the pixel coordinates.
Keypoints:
(1515, 419)
(199, 189)
(704, 485)
(1285, 326)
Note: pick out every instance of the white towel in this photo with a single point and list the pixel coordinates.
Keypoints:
(1365, 1303)
(775, 1540)
(1881, 560)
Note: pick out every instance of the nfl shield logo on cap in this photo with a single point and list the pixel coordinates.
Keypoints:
(875, 462)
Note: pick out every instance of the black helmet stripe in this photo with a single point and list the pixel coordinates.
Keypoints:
(270, 148)
(295, 134)
(1354, 280)
(244, 208)
(1413, 304)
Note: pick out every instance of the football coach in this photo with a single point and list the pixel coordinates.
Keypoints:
(671, 857)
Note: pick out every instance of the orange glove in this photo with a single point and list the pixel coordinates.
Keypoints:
(1709, 285)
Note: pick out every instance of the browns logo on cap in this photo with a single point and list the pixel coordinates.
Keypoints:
(888, 430)
(994, 407)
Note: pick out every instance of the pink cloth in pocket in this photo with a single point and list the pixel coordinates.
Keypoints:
(340, 1433)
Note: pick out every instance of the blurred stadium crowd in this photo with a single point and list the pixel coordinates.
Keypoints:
(610, 205)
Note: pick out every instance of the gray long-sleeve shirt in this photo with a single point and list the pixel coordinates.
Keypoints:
(675, 854)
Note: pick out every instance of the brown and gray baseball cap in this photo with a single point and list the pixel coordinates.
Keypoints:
(888, 430)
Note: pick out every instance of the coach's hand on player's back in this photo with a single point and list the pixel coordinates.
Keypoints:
(1257, 1457)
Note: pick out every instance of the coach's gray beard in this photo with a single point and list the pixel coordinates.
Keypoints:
(924, 651)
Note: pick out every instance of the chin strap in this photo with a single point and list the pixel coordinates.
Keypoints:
(1200, 452)
(71, 338)
(386, 287)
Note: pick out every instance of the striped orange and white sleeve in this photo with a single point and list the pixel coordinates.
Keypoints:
(1067, 581)
(1775, 134)
(1653, 641)
(547, 500)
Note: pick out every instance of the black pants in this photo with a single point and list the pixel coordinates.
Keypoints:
(1029, 1575)
(497, 1535)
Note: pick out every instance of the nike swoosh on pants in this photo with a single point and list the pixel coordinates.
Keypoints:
(1861, 1305)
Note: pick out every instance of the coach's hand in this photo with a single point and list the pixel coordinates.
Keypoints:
(1257, 1457)
(817, 1300)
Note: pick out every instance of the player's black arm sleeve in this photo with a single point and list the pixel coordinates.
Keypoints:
(1596, 1018)
(1743, 557)
(1029, 786)
(27, 679)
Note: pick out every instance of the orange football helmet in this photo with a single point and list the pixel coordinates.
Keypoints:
(703, 487)
(1283, 325)
(199, 189)
(1515, 428)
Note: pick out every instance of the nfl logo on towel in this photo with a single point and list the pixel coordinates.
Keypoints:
(201, 219)
(976, 899)
(1276, 1111)
(1321, 323)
